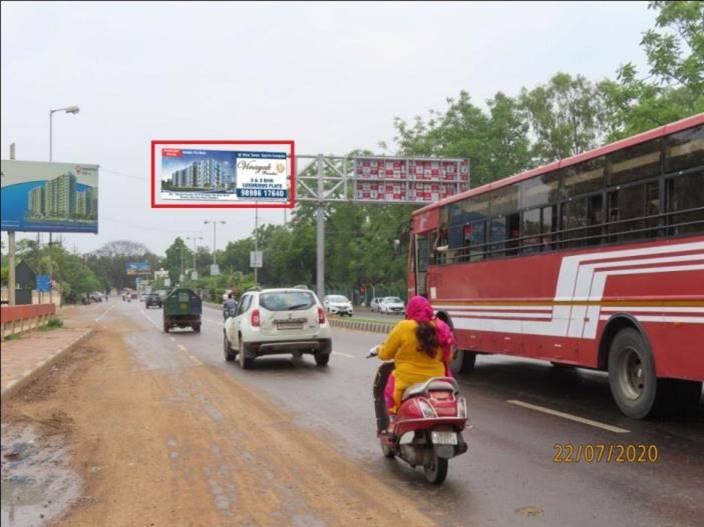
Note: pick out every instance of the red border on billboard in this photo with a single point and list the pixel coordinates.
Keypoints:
(290, 203)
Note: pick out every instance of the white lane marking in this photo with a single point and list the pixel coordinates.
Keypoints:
(106, 312)
(570, 417)
(150, 320)
(182, 347)
(172, 339)
(344, 354)
(194, 359)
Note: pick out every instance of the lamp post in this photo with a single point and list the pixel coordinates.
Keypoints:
(215, 224)
(68, 109)
(194, 238)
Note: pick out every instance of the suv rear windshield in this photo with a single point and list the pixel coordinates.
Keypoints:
(286, 300)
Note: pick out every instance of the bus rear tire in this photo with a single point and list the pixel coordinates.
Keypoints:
(632, 379)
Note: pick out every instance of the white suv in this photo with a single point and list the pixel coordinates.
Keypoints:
(277, 321)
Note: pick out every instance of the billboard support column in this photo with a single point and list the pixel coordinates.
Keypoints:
(320, 232)
(256, 240)
(11, 282)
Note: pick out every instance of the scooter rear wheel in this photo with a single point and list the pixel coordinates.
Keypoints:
(386, 449)
(436, 472)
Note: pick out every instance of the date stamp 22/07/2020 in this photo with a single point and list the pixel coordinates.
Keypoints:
(605, 453)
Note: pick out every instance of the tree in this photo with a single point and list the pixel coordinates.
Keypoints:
(178, 258)
(565, 116)
(675, 86)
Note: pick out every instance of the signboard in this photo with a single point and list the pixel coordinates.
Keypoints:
(167, 282)
(194, 275)
(214, 269)
(135, 268)
(222, 174)
(43, 283)
(409, 180)
(256, 259)
(49, 197)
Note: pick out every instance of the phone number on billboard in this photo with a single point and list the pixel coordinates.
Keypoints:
(261, 193)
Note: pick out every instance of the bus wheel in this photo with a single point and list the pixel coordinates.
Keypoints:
(632, 374)
(463, 361)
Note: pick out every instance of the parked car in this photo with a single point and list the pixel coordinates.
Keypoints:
(391, 304)
(374, 304)
(338, 305)
(153, 299)
(277, 321)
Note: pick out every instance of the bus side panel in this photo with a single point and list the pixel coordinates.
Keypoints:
(678, 349)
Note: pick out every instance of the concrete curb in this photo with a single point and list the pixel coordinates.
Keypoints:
(41, 367)
(361, 325)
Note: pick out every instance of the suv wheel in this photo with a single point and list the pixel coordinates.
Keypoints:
(322, 359)
(245, 363)
(229, 354)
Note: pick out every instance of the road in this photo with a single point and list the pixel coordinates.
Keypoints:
(508, 476)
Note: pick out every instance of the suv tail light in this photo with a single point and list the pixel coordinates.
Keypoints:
(255, 320)
(321, 316)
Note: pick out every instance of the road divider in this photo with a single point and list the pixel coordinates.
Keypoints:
(370, 326)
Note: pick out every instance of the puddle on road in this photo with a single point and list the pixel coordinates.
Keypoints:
(37, 483)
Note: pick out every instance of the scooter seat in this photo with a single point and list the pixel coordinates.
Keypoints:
(435, 383)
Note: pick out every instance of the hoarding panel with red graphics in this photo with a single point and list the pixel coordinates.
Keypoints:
(223, 174)
(408, 180)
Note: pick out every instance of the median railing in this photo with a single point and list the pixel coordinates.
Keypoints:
(16, 319)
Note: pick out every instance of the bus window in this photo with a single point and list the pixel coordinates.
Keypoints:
(540, 190)
(513, 229)
(583, 178)
(686, 193)
(497, 236)
(685, 150)
(422, 261)
(635, 163)
(531, 231)
(584, 212)
(633, 212)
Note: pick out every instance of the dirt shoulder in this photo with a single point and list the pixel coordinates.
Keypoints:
(188, 445)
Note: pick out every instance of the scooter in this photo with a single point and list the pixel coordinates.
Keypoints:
(427, 430)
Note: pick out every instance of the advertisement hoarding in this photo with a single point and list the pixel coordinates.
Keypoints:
(38, 196)
(135, 268)
(198, 174)
(409, 180)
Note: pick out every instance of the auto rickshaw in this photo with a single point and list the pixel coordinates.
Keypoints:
(182, 309)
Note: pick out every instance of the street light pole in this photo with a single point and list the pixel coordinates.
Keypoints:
(194, 238)
(68, 109)
(215, 223)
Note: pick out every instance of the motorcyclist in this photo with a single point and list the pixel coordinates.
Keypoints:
(420, 346)
(229, 306)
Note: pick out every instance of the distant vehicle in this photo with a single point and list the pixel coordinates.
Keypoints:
(374, 304)
(338, 305)
(182, 309)
(134, 296)
(391, 304)
(592, 261)
(153, 299)
(277, 321)
(95, 296)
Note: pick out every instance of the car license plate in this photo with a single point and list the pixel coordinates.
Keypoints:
(444, 438)
(294, 325)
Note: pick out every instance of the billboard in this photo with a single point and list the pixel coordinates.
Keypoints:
(223, 174)
(38, 196)
(135, 268)
(409, 180)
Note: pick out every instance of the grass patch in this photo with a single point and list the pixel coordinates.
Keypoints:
(54, 323)
(14, 336)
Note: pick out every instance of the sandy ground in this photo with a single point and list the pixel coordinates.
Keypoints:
(186, 445)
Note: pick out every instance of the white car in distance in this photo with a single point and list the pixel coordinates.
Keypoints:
(338, 305)
(392, 304)
(275, 322)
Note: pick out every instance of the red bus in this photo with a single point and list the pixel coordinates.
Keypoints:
(594, 261)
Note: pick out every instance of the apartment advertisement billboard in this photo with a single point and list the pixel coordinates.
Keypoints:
(135, 268)
(39, 196)
(409, 180)
(222, 174)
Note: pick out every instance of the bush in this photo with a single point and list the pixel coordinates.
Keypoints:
(54, 323)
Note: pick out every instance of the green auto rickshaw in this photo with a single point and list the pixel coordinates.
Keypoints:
(182, 309)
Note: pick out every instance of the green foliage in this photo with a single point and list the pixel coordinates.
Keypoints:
(109, 263)
(54, 323)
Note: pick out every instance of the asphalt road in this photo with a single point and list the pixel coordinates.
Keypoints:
(509, 475)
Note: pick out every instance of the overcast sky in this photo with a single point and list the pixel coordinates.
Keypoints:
(330, 76)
